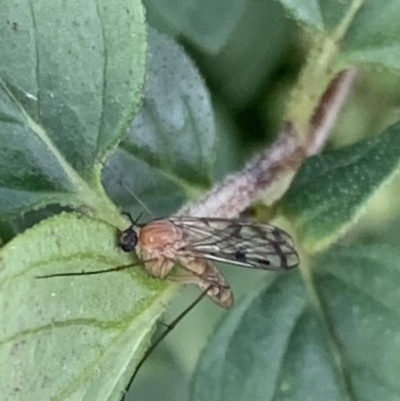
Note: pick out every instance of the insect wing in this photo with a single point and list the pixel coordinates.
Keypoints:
(241, 242)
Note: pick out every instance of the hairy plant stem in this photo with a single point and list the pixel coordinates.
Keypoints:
(270, 173)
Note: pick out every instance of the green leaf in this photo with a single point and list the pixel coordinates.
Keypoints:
(207, 23)
(172, 141)
(368, 29)
(374, 35)
(72, 338)
(338, 341)
(251, 54)
(308, 13)
(331, 190)
(71, 75)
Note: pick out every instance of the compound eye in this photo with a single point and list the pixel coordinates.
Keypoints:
(128, 240)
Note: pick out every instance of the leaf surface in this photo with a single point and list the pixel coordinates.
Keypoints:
(72, 338)
(206, 23)
(331, 189)
(71, 75)
(336, 337)
(171, 144)
(368, 29)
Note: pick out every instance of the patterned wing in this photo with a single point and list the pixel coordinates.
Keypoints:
(239, 242)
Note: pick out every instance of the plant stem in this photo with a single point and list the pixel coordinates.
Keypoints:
(270, 173)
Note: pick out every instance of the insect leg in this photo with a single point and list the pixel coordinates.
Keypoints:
(93, 272)
(89, 273)
(158, 267)
(169, 328)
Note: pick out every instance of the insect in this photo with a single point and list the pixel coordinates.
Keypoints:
(194, 243)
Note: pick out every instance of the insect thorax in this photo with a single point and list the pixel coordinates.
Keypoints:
(159, 234)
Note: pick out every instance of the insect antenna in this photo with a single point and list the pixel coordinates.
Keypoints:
(141, 203)
(136, 198)
(169, 328)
